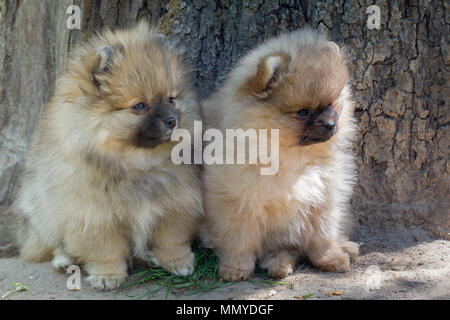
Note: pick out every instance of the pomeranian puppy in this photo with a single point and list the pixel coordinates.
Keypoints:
(99, 186)
(296, 83)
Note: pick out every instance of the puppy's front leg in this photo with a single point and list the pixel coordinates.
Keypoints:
(327, 249)
(236, 265)
(104, 252)
(171, 244)
(236, 248)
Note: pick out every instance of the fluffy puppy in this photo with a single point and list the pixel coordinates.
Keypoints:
(296, 83)
(99, 185)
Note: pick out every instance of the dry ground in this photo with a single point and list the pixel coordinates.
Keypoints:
(404, 264)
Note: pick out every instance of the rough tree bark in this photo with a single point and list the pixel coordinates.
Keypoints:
(400, 82)
(33, 48)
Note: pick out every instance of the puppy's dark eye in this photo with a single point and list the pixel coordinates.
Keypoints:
(303, 113)
(171, 100)
(140, 107)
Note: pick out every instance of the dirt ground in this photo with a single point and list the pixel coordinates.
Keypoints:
(399, 265)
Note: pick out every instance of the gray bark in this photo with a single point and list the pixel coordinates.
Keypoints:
(33, 48)
(400, 78)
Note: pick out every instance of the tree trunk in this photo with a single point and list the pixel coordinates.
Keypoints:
(33, 48)
(400, 78)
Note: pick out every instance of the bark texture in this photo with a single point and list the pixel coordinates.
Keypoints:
(400, 78)
(33, 48)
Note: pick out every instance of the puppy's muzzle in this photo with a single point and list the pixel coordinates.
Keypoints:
(322, 129)
(158, 126)
(167, 116)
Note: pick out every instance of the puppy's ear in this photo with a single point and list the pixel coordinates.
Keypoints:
(333, 46)
(104, 60)
(143, 27)
(103, 57)
(270, 73)
(162, 39)
(166, 42)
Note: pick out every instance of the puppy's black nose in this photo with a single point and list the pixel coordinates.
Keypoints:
(330, 125)
(327, 124)
(170, 122)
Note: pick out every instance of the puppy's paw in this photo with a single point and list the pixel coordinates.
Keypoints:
(150, 259)
(230, 273)
(61, 263)
(280, 264)
(182, 266)
(106, 282)
(351, 248)
(336, 260)
(280, 270)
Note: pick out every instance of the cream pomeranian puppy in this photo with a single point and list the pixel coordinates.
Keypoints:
(99, 186)
(296, 83)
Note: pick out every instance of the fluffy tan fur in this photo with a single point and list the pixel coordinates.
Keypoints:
(88, 194)
(303, 208)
